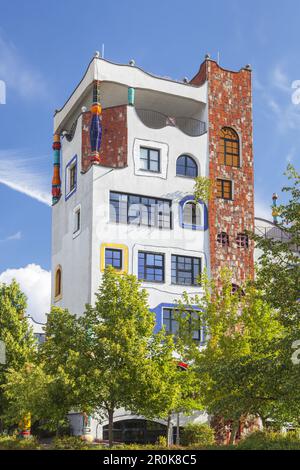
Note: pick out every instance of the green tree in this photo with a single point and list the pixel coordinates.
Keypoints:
(32, 391)
(110, 357)
(59, 358)
(16, 334)
(278, 273)
(170, 390)
(278, 278)
(125, 364)
(238, 368)
(25, 390)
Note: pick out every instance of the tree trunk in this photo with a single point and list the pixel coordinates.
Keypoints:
(263, 422)
(234, 430)
(169, 431)
(178, 429)
(110, 426)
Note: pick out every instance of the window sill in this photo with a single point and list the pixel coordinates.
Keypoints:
(150, 171)
(152, 227)
(185, 285)
(76, 234)
(70, 194)
(186, 177)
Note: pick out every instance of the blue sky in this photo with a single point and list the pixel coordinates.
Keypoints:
(45, 48)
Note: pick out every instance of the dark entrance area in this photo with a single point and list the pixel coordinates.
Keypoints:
(136, 431)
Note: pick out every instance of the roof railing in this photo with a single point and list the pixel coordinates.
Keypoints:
(156, 120)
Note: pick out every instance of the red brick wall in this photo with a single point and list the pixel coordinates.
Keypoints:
(230, 104)
(113, 149)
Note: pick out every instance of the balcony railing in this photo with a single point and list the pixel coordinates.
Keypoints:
(278, 235)
(274, 233)
(157, 120)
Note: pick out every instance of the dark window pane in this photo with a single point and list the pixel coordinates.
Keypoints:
(139, 210)
(150, 159)
(113, 258)
(186, 166)
(185, 270)
(151, 267)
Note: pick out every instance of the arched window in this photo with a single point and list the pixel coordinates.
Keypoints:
(236, 289)
(242, 240)
(223, 239)
(191, 214)
(58, 283)
(230, 147)
(186, 166)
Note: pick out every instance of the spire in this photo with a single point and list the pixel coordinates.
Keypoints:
(56, 182)
(274, 208)
(96, 125)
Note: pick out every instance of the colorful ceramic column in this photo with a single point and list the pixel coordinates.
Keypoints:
(96, 125)
(25, 427)
(131, 93)
(56, 182)
(275, 209)
(87, 427)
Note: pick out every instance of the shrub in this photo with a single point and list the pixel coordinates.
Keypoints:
(161, 441)
(201, 435)
(268, 440)
(14, 443)
(70, 443)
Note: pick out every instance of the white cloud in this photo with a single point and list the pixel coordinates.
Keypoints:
(274, 106)
(284, 111)
(262, 209)
(290, 156)
(35, 282)
(14, 236)
(18, 75)
(21, 173)
(280, 80)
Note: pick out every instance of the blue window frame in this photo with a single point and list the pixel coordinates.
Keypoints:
(193, 216)
(71, 177)
(186, 270)
(113, 257)
(186, 166)
(151, 266)
(172, 325)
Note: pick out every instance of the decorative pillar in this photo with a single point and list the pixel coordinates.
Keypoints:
(86, 427)
(131, 93)
(96, 125)
(25, 427)
(275, 208)
(56, 182)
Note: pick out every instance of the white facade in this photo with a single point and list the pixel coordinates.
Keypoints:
(81, 255)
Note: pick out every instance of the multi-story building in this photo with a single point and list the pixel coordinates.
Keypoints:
(127, 148)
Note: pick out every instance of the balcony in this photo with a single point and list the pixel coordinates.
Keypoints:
(156, 120)
(274, 233)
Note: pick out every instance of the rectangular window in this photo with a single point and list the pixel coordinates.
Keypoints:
(224, 189)
(77, 221)
(151, 266)
(113, 258)
(140, 210)
(171, 323)
(150, 159)
(72, 176)
(186, 270)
